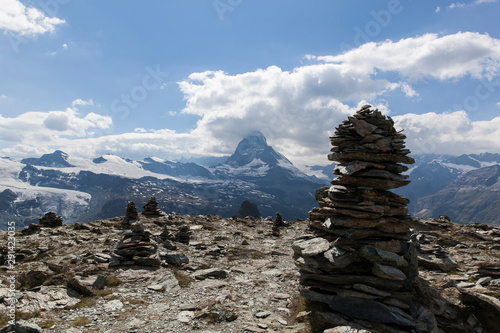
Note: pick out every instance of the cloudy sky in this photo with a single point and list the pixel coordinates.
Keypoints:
(187, 78)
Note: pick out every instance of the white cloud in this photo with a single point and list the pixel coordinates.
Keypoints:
(438, 9)
(449, 133)
(3, 96)
(468, 5)
(82, 102)
(297, 110)
(65, 46)
(427, 56)
(16, 17)
(47, 129)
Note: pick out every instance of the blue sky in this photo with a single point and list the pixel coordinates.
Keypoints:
(189, 78)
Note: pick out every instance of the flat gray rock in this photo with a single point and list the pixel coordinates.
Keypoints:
(362, 309)
(310, 247)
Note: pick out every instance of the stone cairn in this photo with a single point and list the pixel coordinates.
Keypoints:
(278, 223)
(136, 248)
(131, 215)
(359, 259)
(183, 234)
(151, 208)
(50, 220)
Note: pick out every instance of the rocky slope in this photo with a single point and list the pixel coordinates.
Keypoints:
(473, 197)
(440, 185)
(214, 274)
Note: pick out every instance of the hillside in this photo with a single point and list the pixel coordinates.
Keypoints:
(473, 197)
(231, 275)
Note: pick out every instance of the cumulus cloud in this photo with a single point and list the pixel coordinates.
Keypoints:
(449, 133)
(44, 130)
(18, 18)
(292, 108)
(297, 110)
(427, 56)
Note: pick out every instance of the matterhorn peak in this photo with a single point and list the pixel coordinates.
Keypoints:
(252, 147)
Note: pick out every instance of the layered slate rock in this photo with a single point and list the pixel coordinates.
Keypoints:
(359, 258)
(136, 248)
(151, 208)
(131, 215)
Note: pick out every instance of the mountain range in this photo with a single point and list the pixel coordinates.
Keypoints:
(465, 187)
(82, 190)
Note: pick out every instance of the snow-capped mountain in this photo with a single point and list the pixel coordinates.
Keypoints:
(82, 189)
(255, 148)
(433, 176)
(254, 158)
(57, 159)
(440, 185)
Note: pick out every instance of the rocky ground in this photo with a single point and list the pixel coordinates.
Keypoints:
(233, 275)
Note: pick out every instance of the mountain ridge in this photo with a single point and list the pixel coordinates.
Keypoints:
(101, 187)
(255, 171)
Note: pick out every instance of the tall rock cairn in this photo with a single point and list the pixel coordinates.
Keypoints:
(358, 258)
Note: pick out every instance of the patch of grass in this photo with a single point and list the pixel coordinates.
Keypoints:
(47, 323)
(258, 255)
(297, 305)
(182, 278)
(127, 315)
(80, 321)
(473, 279)
(135, 301)
(86, 301)
(112, 297)
(4, 319)
(57, 280)
(104, 293)
(113, 281)
(20, 315)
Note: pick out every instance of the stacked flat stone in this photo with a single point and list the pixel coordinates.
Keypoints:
(183, 234)
(151, 208)
(50, 220)
(131, 215)
(136, 248)
(278, 223)
(359, 258)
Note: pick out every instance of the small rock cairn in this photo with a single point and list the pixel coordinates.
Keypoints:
(278, 223)
(136, 248)
(131, 215)
(359, 258)
(50, 220)
(151, 208)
